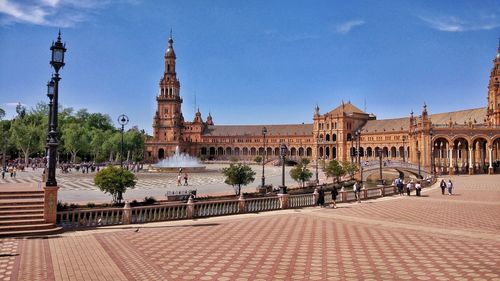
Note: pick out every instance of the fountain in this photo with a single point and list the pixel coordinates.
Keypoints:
(177, 162)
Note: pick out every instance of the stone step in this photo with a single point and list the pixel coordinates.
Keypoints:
(21, 207)
(16, 216)
(21, 192)
(28, 201)
(39, 232)
(5, 196)
(28, 227)
(19, 222)
(17, 211)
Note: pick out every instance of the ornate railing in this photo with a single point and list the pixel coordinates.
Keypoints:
(158, 213)
(216, 208)
(302, 200)
(90, 217)
(80, 218)
(262, 204)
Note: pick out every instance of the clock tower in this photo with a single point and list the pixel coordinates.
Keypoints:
(168, 122)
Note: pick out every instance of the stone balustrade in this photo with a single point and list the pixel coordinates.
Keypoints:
(81, 218)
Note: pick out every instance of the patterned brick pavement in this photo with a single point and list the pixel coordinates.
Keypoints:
(433, 237)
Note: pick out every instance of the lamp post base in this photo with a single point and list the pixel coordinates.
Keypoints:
(283, 189)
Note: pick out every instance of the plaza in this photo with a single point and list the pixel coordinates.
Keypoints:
(433, 237)
(78, 187)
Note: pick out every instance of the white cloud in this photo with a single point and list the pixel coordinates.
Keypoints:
(60, 13)
(455, 24)
(346, 27)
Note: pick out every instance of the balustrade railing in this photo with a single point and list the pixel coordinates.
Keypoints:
(216, 208)
(90, 217)
(80, 218)
(262, 204)
(302, 200)
(145, 214)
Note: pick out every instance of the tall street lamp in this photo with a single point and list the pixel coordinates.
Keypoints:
(57, 62)
(317, 159)
(431, 132)
(404, 148)
(380, 151)
(264, 132)
(122, 120)
(418, 157)
(358, 145)
(283, 151)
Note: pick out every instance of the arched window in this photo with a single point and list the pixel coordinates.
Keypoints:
(327, 137)
(334, 137)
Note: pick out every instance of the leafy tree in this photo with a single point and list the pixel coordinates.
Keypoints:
(76, 138)
(349, 168)
(300, 174)
(258, 159)
(27, 133)
(134, 143)
(2, 113)
(115, 181)
(20, 110)
(237, 175)
(334, 169)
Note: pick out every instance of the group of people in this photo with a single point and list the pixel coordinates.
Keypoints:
(446, 185)
(12, 170)
(356, 188)
(408, 187)
(179, 179)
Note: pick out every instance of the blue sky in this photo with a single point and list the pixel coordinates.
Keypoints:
(252, 62)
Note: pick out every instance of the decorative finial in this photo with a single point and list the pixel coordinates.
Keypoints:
(59, 36)
(170, 32)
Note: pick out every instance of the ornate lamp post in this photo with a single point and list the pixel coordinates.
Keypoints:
(380, 151)
(317, 159)
(404, 148)
(431, 132)
(418, 157)
(58, 49)
(122, 120)
(358, 144)
(283, 151)
(264, 132)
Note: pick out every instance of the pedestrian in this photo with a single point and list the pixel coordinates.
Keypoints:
(185, 179)
(357, 191)
(334, 197)
(409, 186)
(321, 197)
(14, 171)
(3, 173)
(399, 183)
(450, 187)
(418, 188)
(179, 177)
(443, 186)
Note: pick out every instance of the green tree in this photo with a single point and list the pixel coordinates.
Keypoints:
(27, 134)
(134, 144)
(238, 175)
(335, 170)
(115, 181)
(2, 113)
(300, 174)
(350, 168)
(76, 138)
(258, 159)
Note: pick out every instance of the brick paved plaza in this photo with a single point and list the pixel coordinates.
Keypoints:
(433, 237)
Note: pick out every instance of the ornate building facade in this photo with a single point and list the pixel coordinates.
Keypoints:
(466, 141)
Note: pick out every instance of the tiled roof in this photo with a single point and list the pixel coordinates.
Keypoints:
(459, 117)
(399, 124)
(348, 108)
(387, 125)
(256, 130)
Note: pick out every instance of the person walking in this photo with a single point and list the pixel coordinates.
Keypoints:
(443, 186)
(357, 191)
(418, 188)
(179, 177)
(185, 179)
(321, 197)
(334, 197)
(450, 187)
(409, 186)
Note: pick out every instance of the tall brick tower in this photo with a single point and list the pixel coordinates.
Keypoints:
(168, 122)
(493, 112)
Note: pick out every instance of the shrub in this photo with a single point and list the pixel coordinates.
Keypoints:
(149, 200)
(90, 205)
(134, 203)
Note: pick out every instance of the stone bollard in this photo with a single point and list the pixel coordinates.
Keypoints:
(283, 201)
(127, 213)
(343, 196)
(50, 203)
(365, 192)
(241, 203)
(190, 207)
